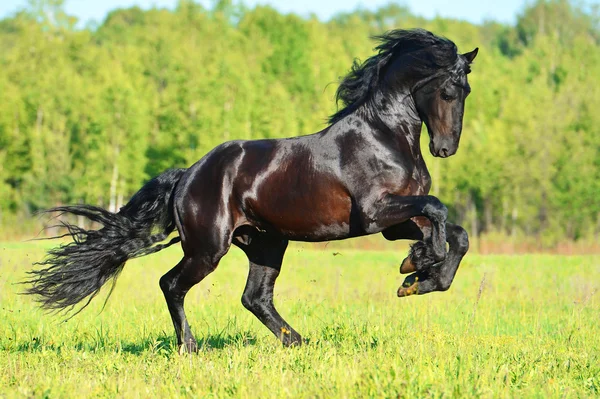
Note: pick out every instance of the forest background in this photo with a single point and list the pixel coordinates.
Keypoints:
(87, 115)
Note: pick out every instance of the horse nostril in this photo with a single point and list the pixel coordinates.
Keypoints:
(444, 152)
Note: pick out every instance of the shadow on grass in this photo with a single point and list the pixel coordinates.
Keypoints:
(168, 344)
(161, 344)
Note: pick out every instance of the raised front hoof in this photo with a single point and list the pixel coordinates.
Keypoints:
(415, 284)
(408, 291)
(410, 286)
(420, 283)
(190, 346)
(407, 266)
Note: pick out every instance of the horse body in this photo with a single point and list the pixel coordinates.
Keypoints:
(364, 174)
(308, 188)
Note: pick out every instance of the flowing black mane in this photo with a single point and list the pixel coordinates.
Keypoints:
(431, 53)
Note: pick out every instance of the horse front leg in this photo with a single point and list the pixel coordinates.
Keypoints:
(393, 217)
(439, 277)
(428, 276)
(420, 256)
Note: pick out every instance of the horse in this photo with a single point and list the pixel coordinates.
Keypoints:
(363, 174)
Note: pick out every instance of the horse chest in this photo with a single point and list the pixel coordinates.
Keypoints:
(421, 180)
(407, 181)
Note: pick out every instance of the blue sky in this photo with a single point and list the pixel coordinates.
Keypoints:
(472, 10)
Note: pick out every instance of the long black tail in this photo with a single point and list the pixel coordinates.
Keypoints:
(76, 271)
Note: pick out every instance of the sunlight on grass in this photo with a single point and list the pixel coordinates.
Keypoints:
(511, 326)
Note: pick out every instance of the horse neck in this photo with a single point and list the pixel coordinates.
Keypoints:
(396, 115)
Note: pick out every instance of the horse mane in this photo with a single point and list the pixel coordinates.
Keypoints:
(429, 53)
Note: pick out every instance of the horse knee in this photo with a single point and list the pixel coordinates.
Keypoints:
(255, 303)
(171, 291)
(248, 300)
(166, 284)
(189, 272)
(435, 210)
(256, 297)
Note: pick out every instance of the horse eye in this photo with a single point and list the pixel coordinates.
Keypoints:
(446, 97)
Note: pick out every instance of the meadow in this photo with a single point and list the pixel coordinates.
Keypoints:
(511, 326)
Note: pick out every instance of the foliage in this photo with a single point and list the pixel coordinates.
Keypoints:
(89, 115)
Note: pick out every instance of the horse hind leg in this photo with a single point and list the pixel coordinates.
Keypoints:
(178, 281)
(265, 254)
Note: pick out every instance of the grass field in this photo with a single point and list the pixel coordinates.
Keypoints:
(510, 327)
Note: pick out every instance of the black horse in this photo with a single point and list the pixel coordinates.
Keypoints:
(363, 174)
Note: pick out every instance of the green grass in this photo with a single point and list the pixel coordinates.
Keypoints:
(511, 326)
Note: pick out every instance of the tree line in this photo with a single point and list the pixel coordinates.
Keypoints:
(88, 115)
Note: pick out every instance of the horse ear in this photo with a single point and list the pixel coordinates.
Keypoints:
(471, 55)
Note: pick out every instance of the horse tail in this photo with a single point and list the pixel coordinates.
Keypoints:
(77, 270)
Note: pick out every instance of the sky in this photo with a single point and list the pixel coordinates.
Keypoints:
(475, 11)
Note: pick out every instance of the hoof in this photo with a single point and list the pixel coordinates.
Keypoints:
(410, 286)
(290, 338)
(407, 266)
(188, 347)
(408, 291)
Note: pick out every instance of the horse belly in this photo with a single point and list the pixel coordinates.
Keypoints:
(319, 211)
